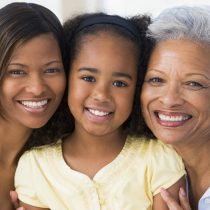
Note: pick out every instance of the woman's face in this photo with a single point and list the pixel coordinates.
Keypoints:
(176, 92)
(34, 82)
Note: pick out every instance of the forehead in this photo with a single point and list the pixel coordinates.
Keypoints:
(44, 43)
(106, 53)
(184, 54)
(105, 42)
(104, 35)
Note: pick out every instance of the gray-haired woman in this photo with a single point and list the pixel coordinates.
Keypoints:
(176, 96)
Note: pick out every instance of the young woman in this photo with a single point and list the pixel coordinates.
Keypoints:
(32, 83)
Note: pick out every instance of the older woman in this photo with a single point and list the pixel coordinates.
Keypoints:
(176, 96)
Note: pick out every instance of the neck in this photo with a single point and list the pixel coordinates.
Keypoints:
(82, 149)
(195, 156)
(13, 137)
(96, 145)
(197, 162)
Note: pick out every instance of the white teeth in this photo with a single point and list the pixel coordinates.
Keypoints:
(98, 113)
(173, 118)
(34, 104)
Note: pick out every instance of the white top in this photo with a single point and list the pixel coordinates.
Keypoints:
(204, 202)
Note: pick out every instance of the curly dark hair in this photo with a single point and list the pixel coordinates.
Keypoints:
(62, 122)
(135, 124)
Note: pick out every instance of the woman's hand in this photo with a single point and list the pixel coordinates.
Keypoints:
(15, 201)
(172, 203)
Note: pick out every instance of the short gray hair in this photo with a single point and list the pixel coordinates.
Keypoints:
(183, 22)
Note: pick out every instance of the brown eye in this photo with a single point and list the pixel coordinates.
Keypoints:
(155, 81)
(193, 85)
(16, 72)
(120, 84)
(52, 71)
(89, 79)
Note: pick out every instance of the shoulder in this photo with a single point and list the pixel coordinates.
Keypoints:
(42, 152)
(149, 145)
(154, 150)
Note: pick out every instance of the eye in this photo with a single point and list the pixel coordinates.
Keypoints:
(52, 71)
(16, 73)
(89, 79)
(155, 81)
(194, 85)
(120, 84)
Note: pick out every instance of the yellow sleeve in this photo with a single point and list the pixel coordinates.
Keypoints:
(24, 181)
(166, 167)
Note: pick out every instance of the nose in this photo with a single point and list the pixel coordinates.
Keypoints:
(36, 85)
(101, 93)
(172, 96)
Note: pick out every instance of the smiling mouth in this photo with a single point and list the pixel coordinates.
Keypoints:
(98, 112)
(34, 104)
(173, 118)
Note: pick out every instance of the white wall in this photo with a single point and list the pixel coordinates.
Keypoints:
(74, 7)
(67, 8)
(63, 8)
(151, 7)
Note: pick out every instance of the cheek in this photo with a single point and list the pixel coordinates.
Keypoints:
(75, 91)
(149, 94)
(146, 98)
(10, 88)
(126, 101)
(201, 105)
(143, 98)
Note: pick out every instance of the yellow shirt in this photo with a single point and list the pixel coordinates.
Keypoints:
(129, 182)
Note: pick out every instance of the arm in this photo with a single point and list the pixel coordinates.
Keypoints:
(15, 201)
(29, 207)
(20, 205)
(160, 203)
(26, 184)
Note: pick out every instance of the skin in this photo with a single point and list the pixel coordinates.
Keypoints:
(177, 86)
(101, 91)
(35, 73)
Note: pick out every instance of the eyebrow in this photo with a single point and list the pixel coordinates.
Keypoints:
(122, 74)
(153, 69)
(53, 61)
(23, 65)
(190, 74)
(94, 70)
(115, 74)
(202, 75)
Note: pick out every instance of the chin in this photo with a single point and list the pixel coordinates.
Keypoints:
(36, 125)
(168, 140)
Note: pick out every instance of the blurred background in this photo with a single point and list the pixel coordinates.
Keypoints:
(68, 8)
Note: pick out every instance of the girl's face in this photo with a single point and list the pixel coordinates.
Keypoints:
(34, 82)
(176, 92)
(102, 83)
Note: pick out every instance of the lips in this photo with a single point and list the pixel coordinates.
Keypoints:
(34, 104)
(98, 115)
(172, 119)
(98, 112)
